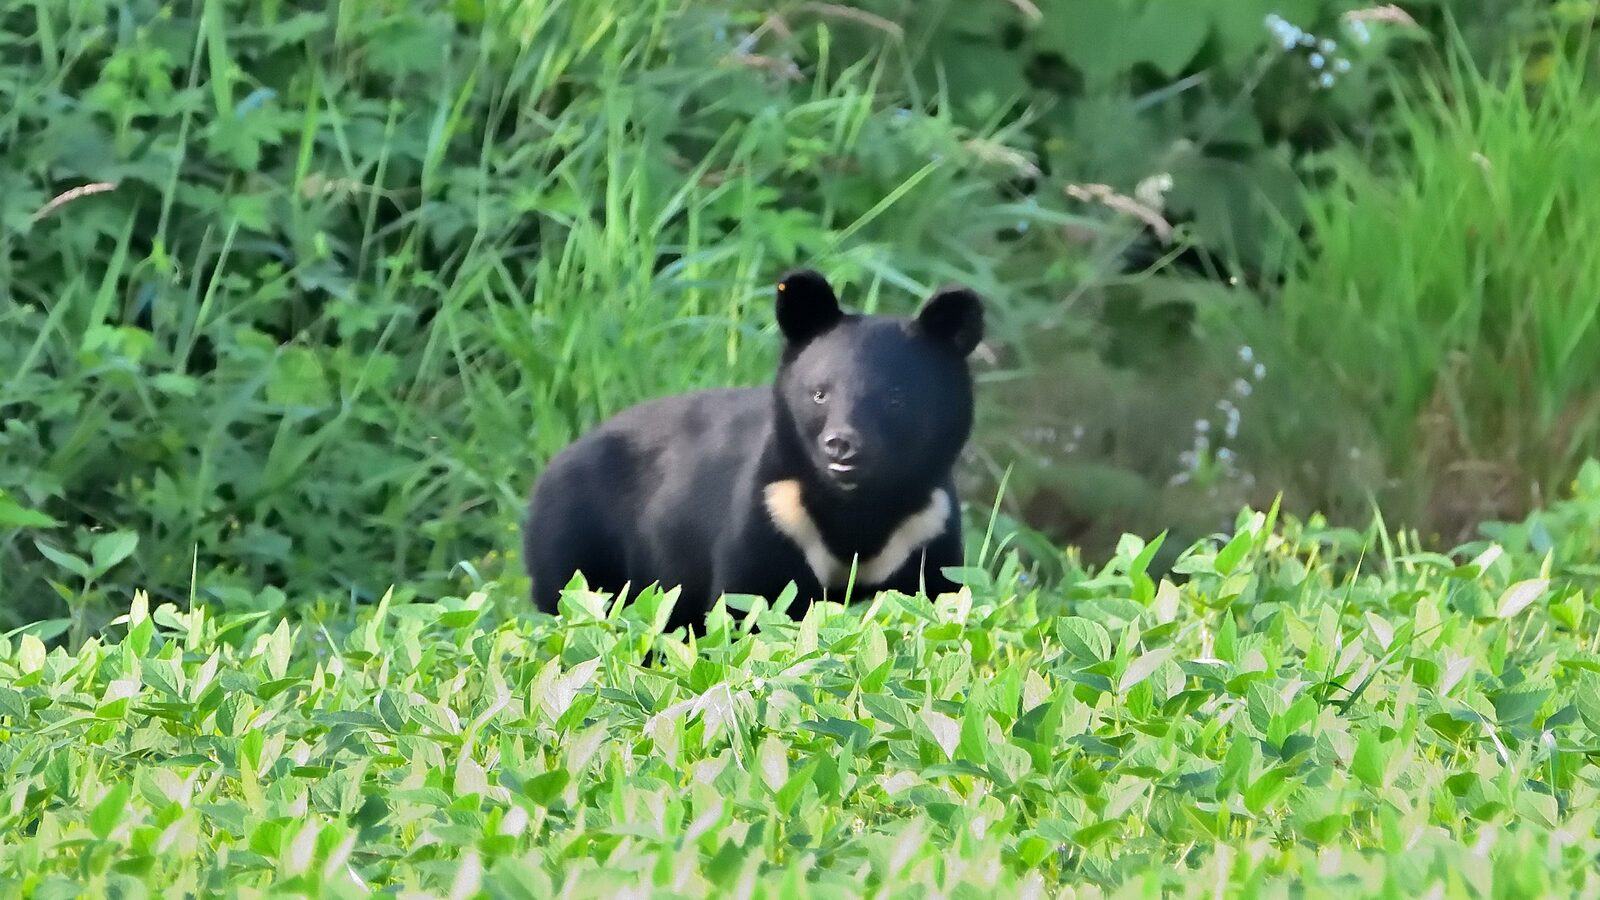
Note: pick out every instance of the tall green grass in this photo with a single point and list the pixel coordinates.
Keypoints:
(347, 273)
(364, 267)
(1451, 297)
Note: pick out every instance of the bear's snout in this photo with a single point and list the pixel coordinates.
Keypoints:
(840, 446)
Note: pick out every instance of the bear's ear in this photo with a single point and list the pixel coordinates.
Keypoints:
(953, 315)
(806, 306)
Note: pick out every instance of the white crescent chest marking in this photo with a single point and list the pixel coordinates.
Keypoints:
(790, 517)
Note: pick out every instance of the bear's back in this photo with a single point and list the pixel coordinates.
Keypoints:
(670, 463)
(647, 494)
(717, 421)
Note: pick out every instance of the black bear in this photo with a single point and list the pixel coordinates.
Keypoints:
(844, 462)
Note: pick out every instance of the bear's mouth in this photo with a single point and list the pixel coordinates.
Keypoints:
(843, 475)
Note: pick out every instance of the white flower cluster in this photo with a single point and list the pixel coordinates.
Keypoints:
(1321, 53)
(1211, 459)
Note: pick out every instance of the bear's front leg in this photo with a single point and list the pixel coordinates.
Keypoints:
(764, 565)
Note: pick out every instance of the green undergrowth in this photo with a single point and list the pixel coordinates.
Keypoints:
(1302, 709)
(354, 271)
(1446, 294)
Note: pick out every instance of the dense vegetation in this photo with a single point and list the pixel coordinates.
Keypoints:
(296, 297)
(1307, 707)
(1471, 352)
(302, 294)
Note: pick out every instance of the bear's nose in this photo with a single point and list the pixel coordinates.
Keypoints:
(840, 446)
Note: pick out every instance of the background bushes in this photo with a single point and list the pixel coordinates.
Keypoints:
(302, 294)
(363, 268)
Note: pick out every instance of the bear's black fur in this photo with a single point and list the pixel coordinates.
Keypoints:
(846, 458)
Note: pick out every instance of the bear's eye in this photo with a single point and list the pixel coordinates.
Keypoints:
(819, 396)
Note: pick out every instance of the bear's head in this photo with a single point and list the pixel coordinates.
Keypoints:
(877, 404)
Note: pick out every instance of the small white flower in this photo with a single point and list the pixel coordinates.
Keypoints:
(1152, 191)
(1328, 46)
(1341, 65)
(1260, 371)
(1246, 353)
(1326, 81)
(1201, 426)
(1317, 61)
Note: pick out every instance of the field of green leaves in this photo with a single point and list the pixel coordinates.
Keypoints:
(1298, 711)
(297, 296)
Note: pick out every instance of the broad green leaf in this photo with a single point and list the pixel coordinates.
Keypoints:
(470, 778)
(15, 515)
(110, 549)
(30, 654)
(773, 758)
(1084, 639)
(1265, 789)
(278, 650)
(1229, 557)
(974, 743)
(1236, 764)
(1142, 667)
(108, 813)
(545, 788)
(1520, 704)
(65, 560)
(1519, 596)
(1587, 700)
(946, 731)
(1370, 760)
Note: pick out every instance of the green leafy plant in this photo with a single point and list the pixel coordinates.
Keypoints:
(1212, 105)
(1301, 710)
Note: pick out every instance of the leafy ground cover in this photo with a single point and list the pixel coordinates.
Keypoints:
(1303, 709)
